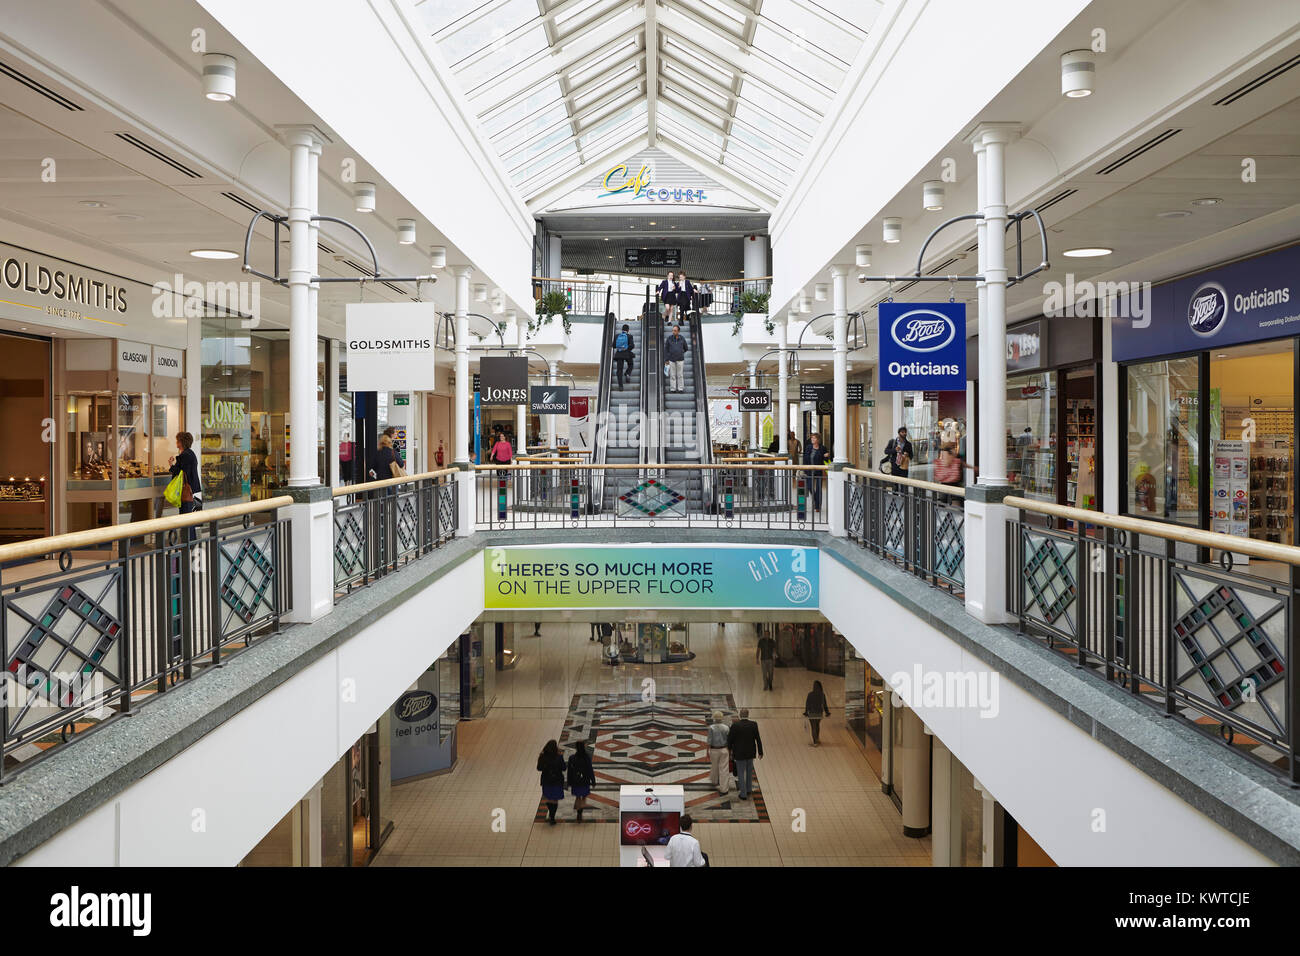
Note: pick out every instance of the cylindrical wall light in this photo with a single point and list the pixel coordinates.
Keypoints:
(363, 195)
(805, 306)
(480, 291)
(863, 256)
(438, 257)
(893, 229)
(406, 232)
(819, 292)
(218, 77)
(932, 195)
(1078, 73)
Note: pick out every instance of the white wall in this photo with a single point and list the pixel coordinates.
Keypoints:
(245, 774)
(1049, 774)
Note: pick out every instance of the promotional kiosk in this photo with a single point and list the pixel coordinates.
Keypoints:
(647, 817)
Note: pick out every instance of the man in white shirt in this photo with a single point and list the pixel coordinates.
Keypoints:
(683, 849)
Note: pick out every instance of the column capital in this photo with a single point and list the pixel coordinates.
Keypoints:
(462, 272)
(985, 133)
(840, 271)
(303, 134)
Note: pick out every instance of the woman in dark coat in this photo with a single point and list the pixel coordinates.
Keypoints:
(815, 708)
(581, 777)
(551, 766)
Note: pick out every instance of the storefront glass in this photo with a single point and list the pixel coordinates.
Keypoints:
(1031, 435)
(1163, 458)
(25, 398)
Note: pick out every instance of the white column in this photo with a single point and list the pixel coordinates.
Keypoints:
(305, 444)
(463, 380)
(783, 385)
(985, 529)
(302, 320)
(517, 330)
(839, 299)
(1107, 449)
(553, 260)
(755, 257)
(753, 416)
(974, 413)
(552, 378)
(915, 760)
(332, 410)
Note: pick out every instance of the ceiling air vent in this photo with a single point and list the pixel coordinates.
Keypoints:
(973, 246)
(1063, 194)
(40, 88)
(233, 197)
(389, 285)
(1137, 151)
(1230, 98)
(324, 248)
(158, 155)
(941, 266)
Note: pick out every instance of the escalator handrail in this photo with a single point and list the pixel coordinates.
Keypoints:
(600, 438)
(703, 431)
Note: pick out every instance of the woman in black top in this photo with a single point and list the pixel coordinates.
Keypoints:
(581, 776)
(550, 764)
(815, 708)
(186, 462)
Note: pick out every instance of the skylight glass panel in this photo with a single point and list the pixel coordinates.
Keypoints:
(860, 13)
(439, 14)
(684, 83)
(762, 177)
(724, 14)
(597, 64)
(487, 29)
(760, 97)
(613, 106)
(520, 120)
(793, 51)
(541, 147)
(568, 152)
(583, 12)
(604, 86)
(818, 30)
(762, 122)
(615, 127)
(670, 116)
(504, 57)
(700, 65)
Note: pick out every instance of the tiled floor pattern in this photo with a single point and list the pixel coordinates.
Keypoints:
(825, 804)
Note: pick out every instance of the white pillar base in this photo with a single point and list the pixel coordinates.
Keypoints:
(836, 488)
(986, 560)
(465, 502)
(311, 533)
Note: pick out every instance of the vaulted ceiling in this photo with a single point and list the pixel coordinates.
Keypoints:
(736, 87)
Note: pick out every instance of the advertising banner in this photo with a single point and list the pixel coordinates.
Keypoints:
(650, 576)
(414, 730)
(1247, 301)
(390, 346)
(503, 379)
(922, 346)
(549, 400)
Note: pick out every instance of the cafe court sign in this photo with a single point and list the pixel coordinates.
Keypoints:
(622, 182)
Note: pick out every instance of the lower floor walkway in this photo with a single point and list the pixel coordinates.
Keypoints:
(811, 806)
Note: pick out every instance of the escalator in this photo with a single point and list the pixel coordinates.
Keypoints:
(619, 410)
(684, 420)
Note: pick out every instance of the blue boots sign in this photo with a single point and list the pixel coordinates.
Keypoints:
(922, 346)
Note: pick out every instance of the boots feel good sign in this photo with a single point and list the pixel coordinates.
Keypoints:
(549, 577)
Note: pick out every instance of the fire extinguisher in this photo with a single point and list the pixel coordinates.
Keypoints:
(439, 455)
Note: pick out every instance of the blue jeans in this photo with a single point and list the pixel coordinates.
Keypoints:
(744, 776)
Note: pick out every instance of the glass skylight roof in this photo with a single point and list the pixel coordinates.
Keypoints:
(559, 85)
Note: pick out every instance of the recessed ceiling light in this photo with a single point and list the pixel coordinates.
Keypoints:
(127, 217)
(1087, 252)
(213, 254)
(1207, 201)
(93, 204)
(1223, 355)
(701, 238)
(607, 238)
(1173, 214)
(652, 222)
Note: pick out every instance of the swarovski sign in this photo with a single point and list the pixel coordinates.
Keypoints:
(549, 400)
(503, 380)
(390, 346)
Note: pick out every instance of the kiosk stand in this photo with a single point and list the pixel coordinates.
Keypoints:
(647, 817)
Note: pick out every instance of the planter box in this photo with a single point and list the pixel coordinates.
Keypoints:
(550, 334)
(753, 330)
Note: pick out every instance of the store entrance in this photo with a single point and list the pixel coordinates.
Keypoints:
(25, 485)
(1252, 433)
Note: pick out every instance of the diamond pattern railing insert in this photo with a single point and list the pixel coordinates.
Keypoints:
(1051, 583)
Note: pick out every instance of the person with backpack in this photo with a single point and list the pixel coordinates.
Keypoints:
(550, 764)
(623, 354)
(719, 756)
(582, 776)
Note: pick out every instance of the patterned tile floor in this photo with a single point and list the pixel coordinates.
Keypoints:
(483, 812)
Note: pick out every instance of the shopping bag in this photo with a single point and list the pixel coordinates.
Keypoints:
(173, 493)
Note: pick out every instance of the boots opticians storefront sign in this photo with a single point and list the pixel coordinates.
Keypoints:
(548, 577)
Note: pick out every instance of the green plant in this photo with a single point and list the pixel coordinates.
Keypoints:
(753, 303)
(768, 324)
(551, 304)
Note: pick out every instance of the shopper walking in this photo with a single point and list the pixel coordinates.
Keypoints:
(815, 454)
(745, 744)
(815, 708)
(683, 849)
(582, 776)
(550, 764)
(675, 349)
(668, 296)
(793, 447)
(766, 657)
(719, 758)
(391, 432)
(187, 463)
(685, 296)
(622, 345)
(899, 453)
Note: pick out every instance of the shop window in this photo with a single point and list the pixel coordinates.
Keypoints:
(1031, 435)
(1163, 452)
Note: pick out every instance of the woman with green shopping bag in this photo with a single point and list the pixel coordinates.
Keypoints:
(188, 493)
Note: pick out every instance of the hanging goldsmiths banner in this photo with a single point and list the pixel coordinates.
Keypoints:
(390, 346)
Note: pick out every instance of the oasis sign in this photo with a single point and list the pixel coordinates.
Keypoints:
(651, 576)
(922, 346)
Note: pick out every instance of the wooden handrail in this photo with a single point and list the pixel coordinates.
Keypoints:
(566, 279)
(1266, 550)
(21, 550)
(674, 466)
(390, 482)
(955, 490)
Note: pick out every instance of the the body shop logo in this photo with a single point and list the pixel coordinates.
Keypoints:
(1208, 309)
(798, 589)
(923, 330)
(415, 706)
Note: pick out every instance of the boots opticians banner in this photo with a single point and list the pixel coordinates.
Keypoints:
(922, 346)
(546, 577)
